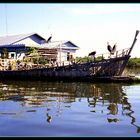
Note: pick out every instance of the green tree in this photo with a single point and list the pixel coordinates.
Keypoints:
(4, 53)
(133, 62)
(31, 50)
(83, 59)
(87, 59)
(39, 60)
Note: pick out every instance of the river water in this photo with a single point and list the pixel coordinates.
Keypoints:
(69, 109)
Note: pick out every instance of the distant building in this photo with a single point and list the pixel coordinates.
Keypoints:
(59, 51)
(66, 50)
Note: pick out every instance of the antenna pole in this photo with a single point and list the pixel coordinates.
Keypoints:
(6, 19)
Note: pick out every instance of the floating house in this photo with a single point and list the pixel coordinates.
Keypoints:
(66, 50)
(16, 45)
(56, 51)
(107, 69)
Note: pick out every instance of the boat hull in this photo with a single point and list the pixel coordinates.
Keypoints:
(84, 71)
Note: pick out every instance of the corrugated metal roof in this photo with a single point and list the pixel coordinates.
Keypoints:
(7, 40)
(62, 44)
(11, 40)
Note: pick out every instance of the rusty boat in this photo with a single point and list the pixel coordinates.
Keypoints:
(96, 70)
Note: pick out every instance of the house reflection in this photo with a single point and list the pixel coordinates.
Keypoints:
(107, 97)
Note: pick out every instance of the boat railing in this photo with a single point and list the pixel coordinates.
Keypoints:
(12, 64)
(118, 53)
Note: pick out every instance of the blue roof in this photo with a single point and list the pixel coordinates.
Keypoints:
(16, 47)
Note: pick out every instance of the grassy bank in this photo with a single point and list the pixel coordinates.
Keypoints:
(133, 62)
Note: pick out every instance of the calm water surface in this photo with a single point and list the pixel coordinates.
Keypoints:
(69, 109)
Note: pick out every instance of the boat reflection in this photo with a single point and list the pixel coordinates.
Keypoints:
(49, 118)
(101, 98)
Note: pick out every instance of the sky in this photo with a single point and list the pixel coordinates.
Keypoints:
(88, 25)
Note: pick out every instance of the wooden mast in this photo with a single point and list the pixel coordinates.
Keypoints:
(128, 55)
(135, 39)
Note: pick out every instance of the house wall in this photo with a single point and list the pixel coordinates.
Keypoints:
(15, 55)
(27, 41)
(20, 56)
(12, 55)
(63, 54)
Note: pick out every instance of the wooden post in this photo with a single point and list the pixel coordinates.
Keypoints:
(102, 57)
(116, 54)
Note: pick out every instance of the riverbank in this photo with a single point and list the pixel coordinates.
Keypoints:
(133, 63)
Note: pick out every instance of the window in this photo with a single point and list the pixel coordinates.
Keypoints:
(12, 55)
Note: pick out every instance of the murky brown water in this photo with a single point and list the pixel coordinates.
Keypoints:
(69, 109)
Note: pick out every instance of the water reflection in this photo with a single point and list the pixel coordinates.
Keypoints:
(106, 99)
(127, 110)
(49, 118)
